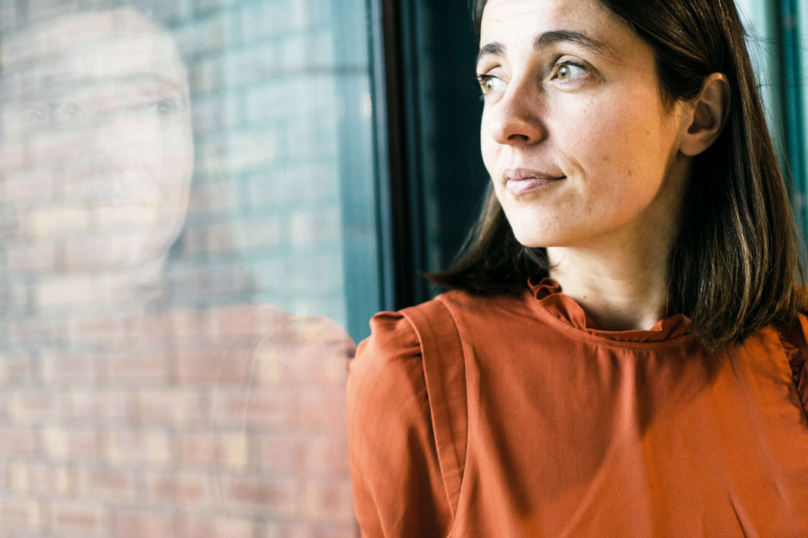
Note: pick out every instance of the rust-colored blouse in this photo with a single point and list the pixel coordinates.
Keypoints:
(504, 417)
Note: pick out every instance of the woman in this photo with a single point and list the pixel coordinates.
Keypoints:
(663, 392)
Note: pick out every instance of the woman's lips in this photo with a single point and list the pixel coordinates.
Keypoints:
(523, 186)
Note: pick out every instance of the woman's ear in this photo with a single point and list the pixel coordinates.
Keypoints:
(707, 115)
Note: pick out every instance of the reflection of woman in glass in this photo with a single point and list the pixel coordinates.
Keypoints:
(98, 155)
(621, 353)
(98, 102)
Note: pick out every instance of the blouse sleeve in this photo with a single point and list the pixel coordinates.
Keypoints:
(396, 479)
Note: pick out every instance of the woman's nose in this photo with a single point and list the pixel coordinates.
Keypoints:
(517, 118)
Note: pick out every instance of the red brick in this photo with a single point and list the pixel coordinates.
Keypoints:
(255, 408)
(40, 478)
(283, 452)
(18, 441)
(158, 326)
(142, 524)
(33, 406)
(247, 321)
(313, 363)
(172, 407)
(304, 453)
(154, 327)
(214, 527)
(270, 496)
(5, 476)
(63, 443)
(139, 447)
(93, 406)
(37, 331)
(80, 519)
(106, 483)
(23, 513)
(225, 366)
(69, 368)
(108, 330)
(179, 489)
(16, 370)
(308, 350)
(322, 408)
(189, 324)
(228, 450)
(310, 530)
(265, 407)
(327, 500)
(138, 367)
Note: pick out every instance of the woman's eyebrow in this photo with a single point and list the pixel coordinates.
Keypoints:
(491, 49)
(568, 36)
(551, 38)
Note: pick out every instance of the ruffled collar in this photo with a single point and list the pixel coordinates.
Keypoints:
(563, 307)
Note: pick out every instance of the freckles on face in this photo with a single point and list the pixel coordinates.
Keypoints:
(582, 104)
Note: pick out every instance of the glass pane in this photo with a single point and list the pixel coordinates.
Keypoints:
(187, 236)
(760, 21)
(802, 50)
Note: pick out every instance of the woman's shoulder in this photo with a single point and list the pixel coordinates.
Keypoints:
(407, 392)
(390, 356)
(435, 326)
(397, 340)
(403, 460)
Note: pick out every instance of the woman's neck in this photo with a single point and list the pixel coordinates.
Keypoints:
(622, 285)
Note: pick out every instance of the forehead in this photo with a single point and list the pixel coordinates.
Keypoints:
(116, 45)
(518, 22)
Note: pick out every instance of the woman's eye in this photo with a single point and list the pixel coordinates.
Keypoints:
(67, 112)
(489, 83)
(569, 71)
(162, 107)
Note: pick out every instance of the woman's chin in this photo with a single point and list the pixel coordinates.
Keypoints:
(536, 236)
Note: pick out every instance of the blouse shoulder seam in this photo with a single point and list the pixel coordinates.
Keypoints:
(445, 377)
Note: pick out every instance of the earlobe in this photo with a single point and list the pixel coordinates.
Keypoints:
(709, 115)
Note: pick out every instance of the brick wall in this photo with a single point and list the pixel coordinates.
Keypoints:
(181, 377)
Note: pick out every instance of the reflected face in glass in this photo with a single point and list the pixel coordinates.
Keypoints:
(575, 135)
(95, 107)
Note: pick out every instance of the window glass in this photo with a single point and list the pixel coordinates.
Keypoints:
(760, 21)
(802, 50)
(773, 35)
(186, 187)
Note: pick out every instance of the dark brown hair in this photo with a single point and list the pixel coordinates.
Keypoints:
(737, 261)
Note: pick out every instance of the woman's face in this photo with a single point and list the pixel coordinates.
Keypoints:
(575, 135)
(105, 119)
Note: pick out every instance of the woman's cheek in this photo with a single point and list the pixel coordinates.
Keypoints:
(490, 153)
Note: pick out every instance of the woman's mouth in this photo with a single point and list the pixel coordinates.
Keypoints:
(521, 181)
(524, 186)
